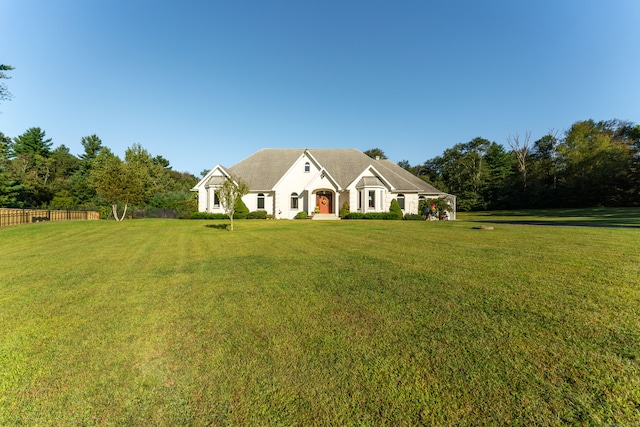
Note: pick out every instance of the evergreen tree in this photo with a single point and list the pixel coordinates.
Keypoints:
(32, 142)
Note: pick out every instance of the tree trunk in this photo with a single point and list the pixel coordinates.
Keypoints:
(114, 208)
(124, 211)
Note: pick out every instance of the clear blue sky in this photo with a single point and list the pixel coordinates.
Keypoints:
(207, 82)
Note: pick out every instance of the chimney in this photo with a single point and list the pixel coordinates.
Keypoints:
(377, 157)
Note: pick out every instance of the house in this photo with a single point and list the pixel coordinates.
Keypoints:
(286, 181)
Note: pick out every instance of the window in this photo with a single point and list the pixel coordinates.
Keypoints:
(307, 167)
(294, 200)
(359, 200)
(260, 201)
(372, 199)
(216, 200)
(401, 201)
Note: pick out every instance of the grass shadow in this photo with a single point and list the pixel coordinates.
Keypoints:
(218, 226)
(594, 217)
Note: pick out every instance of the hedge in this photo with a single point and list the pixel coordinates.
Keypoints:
(372, 215)
(257, 215)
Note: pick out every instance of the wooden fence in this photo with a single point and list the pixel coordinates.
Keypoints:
(25, 216)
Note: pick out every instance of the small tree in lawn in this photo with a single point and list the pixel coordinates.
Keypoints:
(230, 194)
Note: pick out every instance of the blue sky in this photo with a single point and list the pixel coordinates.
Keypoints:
(208, 82)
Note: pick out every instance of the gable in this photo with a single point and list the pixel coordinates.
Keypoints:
(402, 180)
(215, 177)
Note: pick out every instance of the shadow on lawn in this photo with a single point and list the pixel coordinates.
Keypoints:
(560, 223)
(218, 226)
(594, 217)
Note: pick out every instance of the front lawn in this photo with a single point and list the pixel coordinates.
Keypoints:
(170, 322)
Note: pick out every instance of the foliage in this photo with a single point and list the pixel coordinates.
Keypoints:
(354, 215)
(394, 208)
(230, 194)
(34, 175)
(32, 143)
(590, 164)
(4, 91)
(440, 203)
(344, 210)
(372, 215)
(242, 211)
(375, 152)
(301, 215)
(118, 183)
(92, 145)
(260, 214)
(175, 323)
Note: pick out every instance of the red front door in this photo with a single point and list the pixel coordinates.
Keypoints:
(323, 201)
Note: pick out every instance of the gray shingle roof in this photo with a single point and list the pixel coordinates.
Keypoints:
(263, 169)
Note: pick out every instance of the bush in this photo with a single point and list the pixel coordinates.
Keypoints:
(301, 215)
(395, 209)
(345, 210)
(380, 215)
(257, 215)
(354, 215)
(241, 210)
(414, 217)
(371, 215)
(441, 205)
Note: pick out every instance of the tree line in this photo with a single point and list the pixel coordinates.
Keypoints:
(591, 164)
(35, 175)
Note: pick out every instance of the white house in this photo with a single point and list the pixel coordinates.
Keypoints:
(285, 181)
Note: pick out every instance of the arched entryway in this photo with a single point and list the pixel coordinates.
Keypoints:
(324, 201)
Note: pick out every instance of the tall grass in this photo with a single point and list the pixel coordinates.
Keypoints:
(165, 322)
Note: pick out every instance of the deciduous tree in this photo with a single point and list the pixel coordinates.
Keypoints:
(375, 153)
(521, 151)
(117, 182)
(5, 95)
(230, 194)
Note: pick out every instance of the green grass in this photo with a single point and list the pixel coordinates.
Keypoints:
(595, 217)
(168, 322)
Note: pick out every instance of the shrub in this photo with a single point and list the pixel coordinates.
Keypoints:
(257, 215)
(380, 215)
(414, 217)
(345, 210)
(301, 215)
(441, 205)
(354, 215)
(395, 209)
(241, 210)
